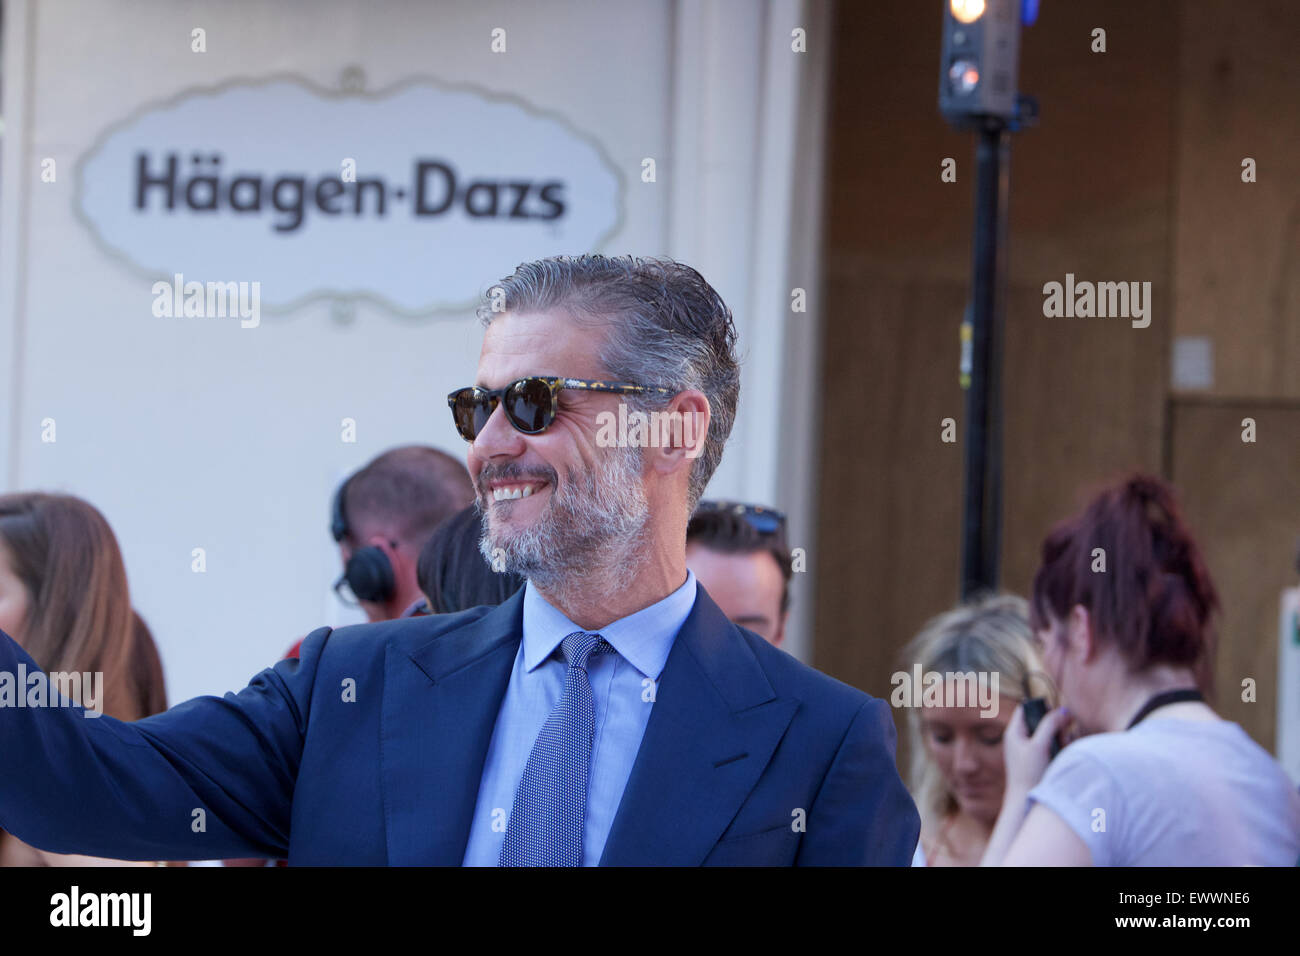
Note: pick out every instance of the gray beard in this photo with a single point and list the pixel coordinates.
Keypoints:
(591, 536)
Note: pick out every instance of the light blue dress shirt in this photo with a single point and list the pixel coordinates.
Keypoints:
(622, 699)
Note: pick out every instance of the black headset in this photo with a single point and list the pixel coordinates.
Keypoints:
(368, 572)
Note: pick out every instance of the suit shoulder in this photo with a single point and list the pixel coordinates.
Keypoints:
(791, 676)
(357, 641)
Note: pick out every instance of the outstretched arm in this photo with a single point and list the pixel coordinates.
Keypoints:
(210, 778)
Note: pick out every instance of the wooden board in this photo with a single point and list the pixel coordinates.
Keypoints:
(1243, 502)
(1237, 252)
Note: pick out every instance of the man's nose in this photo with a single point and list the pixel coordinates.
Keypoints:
(498, 438)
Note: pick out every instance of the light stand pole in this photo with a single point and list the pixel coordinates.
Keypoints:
(982, 478)
(977, 91)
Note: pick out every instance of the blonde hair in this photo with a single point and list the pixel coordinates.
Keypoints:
(987, 635)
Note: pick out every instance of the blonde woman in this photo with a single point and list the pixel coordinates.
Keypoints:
(958, 776)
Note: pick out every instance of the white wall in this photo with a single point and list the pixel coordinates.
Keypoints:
(203, 434)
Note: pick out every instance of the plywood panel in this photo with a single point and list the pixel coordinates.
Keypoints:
(1134, 167)
(1237, 277)
(890, 488)
(1084, 404)
(1084, 398)
(1243, 501)
(1092, 183)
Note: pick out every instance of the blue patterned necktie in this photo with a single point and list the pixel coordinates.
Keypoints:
(546, 821)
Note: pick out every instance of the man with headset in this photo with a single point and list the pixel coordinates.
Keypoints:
(381, 517)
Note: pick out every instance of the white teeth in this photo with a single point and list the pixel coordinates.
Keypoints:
(507, 493)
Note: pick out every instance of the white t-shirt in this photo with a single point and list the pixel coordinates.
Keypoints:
(1175, 792)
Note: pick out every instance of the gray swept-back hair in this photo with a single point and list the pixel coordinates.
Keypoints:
(667, 327)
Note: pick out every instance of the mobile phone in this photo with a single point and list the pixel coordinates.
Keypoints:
(1035, 711)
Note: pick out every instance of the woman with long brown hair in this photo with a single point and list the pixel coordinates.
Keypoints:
(64, 599)
(1124, 608)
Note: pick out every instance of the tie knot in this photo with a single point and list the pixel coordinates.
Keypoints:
(580, 645)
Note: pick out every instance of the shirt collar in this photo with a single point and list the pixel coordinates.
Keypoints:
(643, 638)
(416, 608)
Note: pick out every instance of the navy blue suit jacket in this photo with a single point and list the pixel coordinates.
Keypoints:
(749, 757)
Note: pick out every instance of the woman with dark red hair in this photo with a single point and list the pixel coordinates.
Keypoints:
(1123, 607)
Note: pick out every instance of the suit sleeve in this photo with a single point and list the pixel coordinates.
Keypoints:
(863, 815)
(208, 779)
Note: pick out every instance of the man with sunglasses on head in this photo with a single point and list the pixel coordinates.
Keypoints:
(607, 713)
(738, 553)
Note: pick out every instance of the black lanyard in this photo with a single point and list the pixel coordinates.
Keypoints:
(1160, 700)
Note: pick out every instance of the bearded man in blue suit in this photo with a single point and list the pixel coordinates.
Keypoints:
(608, 713)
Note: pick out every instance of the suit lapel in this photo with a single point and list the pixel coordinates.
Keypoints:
(440, 707)
(715, 723)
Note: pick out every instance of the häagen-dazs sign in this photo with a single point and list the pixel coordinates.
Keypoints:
(401, 197)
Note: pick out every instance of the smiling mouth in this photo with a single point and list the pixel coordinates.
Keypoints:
(509, 492)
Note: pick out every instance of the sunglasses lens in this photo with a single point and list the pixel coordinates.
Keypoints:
(470, 411)
(529, 405)
(764, 523)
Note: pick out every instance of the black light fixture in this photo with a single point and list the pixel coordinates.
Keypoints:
(981, 59)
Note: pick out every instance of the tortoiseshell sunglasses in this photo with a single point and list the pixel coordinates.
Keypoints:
(530, 403)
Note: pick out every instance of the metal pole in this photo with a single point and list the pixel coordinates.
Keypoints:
(982, 508)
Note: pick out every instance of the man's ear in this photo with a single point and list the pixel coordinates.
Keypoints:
(779, 637)
(680, 433)
(400, 557)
